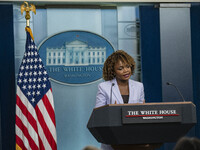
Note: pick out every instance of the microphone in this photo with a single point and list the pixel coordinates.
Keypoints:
(111, 93)
(168, 83)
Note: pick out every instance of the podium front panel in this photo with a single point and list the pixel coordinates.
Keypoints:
(164, 122)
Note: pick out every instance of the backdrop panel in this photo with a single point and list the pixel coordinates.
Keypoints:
(7, 79)
(195, 37)
(150, 53)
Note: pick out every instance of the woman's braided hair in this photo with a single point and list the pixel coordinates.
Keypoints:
(108, 69)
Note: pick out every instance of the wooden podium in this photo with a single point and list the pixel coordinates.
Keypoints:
(141, 126)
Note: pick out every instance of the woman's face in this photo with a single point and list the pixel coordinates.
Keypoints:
(122, 71)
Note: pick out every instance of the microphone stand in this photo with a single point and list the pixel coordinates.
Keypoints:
(177, 90)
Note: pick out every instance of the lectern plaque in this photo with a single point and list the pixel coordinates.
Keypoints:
(151, 114)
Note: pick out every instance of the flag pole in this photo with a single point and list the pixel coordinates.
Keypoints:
(25, 7)
(35, 123)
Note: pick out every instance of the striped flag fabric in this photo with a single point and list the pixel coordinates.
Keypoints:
(35, 125)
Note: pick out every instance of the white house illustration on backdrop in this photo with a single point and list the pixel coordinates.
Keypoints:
(75, 53)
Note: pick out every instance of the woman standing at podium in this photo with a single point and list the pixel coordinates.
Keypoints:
(118, 88)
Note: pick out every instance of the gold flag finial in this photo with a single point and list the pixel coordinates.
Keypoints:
(25, 7)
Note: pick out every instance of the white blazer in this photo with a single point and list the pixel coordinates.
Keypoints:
(136, 95)
(105, 89)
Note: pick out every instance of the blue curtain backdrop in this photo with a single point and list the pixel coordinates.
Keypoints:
(195, 38)
(7, 79)
(150, 53)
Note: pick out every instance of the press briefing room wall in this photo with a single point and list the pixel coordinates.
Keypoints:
(159, 59)
(7, 79)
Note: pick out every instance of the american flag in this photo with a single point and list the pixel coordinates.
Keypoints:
(35, 117)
